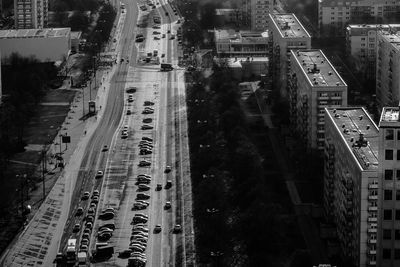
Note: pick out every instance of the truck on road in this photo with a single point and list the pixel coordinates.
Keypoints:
(82, 257)
(166, 67)
(71, 251)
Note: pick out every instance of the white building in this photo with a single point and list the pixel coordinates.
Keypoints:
(313, 84)
(241, 44)
(30, 14)
(351, 181)
(361, 40)
(388, 69)
(286, 33)
(334, 15)
(46, 45)
(249, 67)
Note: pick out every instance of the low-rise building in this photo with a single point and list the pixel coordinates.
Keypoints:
(244, 68)
(230, 43)
(46, 45)
(361, 42)
(388, 69)
(286, 33)
(351, 181)
(313, 84)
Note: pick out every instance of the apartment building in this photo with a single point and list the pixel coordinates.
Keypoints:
(313, 84)
(255, 13)
(230, 43)
(351, 181)
(30, 14)
(388, 245)
(228, 15)
(334, 15)
(361, 41)
(286, 33)
(388, 69)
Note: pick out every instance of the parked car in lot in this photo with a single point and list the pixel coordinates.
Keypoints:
(104, 236)
(108, 215)
(143, 187)
(168, 184)
(144, 176)
(128, 112)
(167, 205)
(147, 127)
(148, 103)
(139, 220)
(145, 152)
(105, 148)
(99, 174)
(144, 163)
(147, 120)
(124, 135)
(159, 187)
(167, 169)
(95, 200)
(85, 195)
(177, 228)
(142, 196)
(147, 111)
(157, 228)
(156, 38)
(138, 206)
(76, 228)
(147, 138)
(131, 90)
(79, 211)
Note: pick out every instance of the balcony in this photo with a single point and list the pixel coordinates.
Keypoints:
(372, 241)
(372, 186)
(372, 219)
(372, 230)
(372, 208)
(372, 252)
(371, 197)
(372, 263)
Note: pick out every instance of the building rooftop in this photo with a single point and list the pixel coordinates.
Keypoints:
(241, 36)
(390, 117)
(289, 26)
(223, 11)
(35, 33)
(237, 62)
(358, 2)
(317, 68)
(362, 29)
(359, 132)
(393, 38)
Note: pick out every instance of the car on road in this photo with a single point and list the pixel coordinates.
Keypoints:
(156, 38)
(83, 248)
(128, 112)
(141, 215)
(159, 187)
(167, 169)
(148, 103)
(131, 90)
(85, 242)
(147, 139)
(89, 218)
(177, 228)
(168, 184)
(105, 148)
(99, 174)
(79, 211)
(142, 196)
(89, 225)
(144, 163)
(86, 235)
(156, 32)
(95, 200)
(76, 228)
(166, 13)
(143, 187)
(147, 111)
(167, 205)
(157, 228)
(85, 195)
(139, 220)
(169, 31)
(87, 231)
(130, 100)
(91, 211)
(125, 254)
(147, 120)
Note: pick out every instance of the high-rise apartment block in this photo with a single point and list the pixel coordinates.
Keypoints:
(388, 245)
(313, 84)
(286, 33)
(351, 181)
(361, 41)
(30, 14)
(388, 69)
(334, 15)
(255, 13)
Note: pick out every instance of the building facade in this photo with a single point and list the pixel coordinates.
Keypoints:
(255, 13)
(30, 14)
(388, 246)
(334, 15)
(228, 15)
(361, 41)
(286, 33)
(46, 45)
(313, 84)
(388, 69)
(241, 44)
(351, 181)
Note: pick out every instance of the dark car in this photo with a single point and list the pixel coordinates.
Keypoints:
(125, 254)
(147, 120)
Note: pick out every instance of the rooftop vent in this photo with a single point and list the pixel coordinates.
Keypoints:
(337, 83)
(361, 142)
(361, 117)
(337, 116)
(368, 127)
(330, 73)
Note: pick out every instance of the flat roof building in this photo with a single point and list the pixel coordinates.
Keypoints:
(286, 33)
(46, 45)
(361, 42)
(313, 84)
(351, 181)
(388, 69)
(230, 43)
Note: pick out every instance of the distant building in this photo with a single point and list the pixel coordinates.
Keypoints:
(286, 33)
(46, 45)
(75, 41)
(30, 14)
(334, 15)
(388, 245)
(244, 68)
(351, 181)
(255, 13)
(361, 41)
(313, 84)
(228, 15)
(388, 69)
(241, 44)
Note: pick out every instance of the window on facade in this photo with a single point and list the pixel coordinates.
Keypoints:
(388, 154)
(387, 195)
(398, 154)
(397, 254)
(388, 175)
(386, 253)
(397, 234)
(389, 134)
(397, 175)
(387, 215)
(387, 234)
(397, 194)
